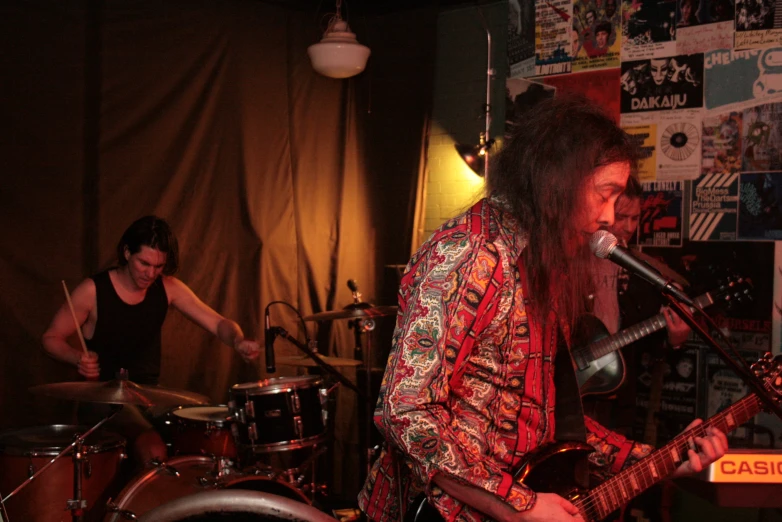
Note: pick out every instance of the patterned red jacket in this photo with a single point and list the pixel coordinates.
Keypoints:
(468, 389)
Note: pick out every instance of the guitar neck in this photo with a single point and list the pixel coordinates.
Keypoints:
(620, 489)
(629, 335)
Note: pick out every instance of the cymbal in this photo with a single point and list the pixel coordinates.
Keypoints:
(303, 360)
(353, 312)
(119, 391)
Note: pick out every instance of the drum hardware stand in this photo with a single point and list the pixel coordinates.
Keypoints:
(76, 505)
(282, 332)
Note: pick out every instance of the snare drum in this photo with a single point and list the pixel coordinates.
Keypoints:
(199, 430)
(278, 414)
(25, 451)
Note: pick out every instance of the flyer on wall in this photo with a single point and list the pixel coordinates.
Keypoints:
(660, 223)
(648, 29)
(553, 28)
(662, 83)
(521, 38)
(732, 77)
(595, 35)
(703, 25)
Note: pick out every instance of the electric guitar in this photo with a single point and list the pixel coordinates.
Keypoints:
(600, 367)
(548, 469)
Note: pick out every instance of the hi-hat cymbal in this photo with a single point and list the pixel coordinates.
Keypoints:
(303, 360)
(351, 312)
(119, 391)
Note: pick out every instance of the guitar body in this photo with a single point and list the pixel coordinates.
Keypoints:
(550, 469)
(604, 374)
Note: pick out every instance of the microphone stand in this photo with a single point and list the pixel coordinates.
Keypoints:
(282, 332)
(741, 370)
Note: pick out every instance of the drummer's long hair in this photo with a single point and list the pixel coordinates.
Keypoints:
(153, 232)
(541, 175)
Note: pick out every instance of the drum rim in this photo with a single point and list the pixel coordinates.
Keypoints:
(237, 479)
(281, 385)
(231, 501)
(114, 441)
(217, 422)
(132, 488)
(288, 445)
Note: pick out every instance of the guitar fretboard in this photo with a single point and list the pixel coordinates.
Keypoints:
(620, 489)
(629, 335)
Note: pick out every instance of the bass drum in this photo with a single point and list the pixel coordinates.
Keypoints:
(184, 476)
(25, 451)
(178, 477)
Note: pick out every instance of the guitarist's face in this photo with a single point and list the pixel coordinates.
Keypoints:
(600, 192)
(626, 215)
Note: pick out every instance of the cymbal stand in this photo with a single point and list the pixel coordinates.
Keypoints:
(362, 326)
(76, 505)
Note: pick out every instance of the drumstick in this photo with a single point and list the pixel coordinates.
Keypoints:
(73, 314)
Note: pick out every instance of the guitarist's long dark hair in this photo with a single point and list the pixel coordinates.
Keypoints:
(540, 174)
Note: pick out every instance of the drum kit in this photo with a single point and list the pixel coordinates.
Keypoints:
(225, 458)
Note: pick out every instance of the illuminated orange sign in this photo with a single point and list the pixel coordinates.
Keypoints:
(747, 467)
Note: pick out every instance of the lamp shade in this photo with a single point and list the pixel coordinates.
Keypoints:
(338, 55)
(471, 154)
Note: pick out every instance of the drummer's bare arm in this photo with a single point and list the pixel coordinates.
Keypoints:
(55, 339)
(184, 299)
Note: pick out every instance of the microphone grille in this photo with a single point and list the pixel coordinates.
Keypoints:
(602, 243)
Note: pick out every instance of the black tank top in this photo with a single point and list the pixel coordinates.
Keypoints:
(128, 336)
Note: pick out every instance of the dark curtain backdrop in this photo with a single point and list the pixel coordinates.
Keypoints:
(281, 184)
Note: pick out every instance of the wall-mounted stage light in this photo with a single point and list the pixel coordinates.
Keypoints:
(338, 55)
(475, 155)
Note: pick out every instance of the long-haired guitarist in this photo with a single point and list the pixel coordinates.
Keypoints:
(468, 389)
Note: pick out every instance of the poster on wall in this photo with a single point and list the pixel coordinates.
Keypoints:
(760, 210)
(721, 143)
(595, 35)
(679, 395)
(762, 132)
(714, 207)
(648, 29)
(758, 24)
(748, 266)
(661, 214)
(723, 387)
(553, 31)
(521, 38)
(597, 86)
(702, 25)
(645, 139)
(674, 82)
(679, 145)
(741, 76)
(521, 94)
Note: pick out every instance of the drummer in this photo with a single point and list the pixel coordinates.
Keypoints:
(121, 312)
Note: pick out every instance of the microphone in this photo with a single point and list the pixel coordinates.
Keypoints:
(605, 246)
(270, 367)
(353, 286)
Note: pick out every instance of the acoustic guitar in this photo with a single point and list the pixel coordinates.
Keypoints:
(600, 367)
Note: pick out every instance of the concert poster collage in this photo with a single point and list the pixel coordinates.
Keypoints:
(698, 85)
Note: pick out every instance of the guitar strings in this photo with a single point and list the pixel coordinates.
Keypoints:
(608, 492)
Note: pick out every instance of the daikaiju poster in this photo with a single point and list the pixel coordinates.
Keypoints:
(664, 83)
